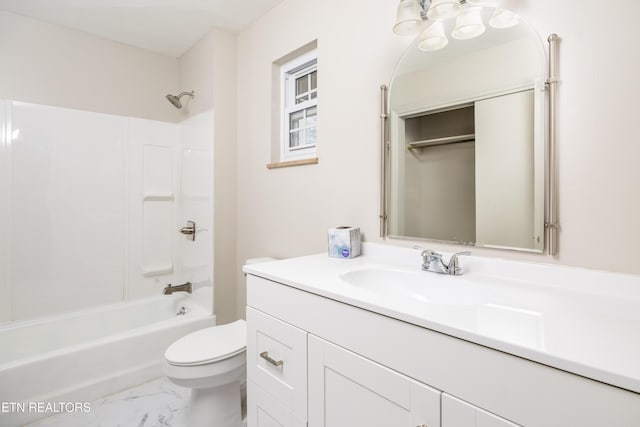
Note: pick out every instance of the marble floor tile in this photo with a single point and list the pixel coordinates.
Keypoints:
(159, 403)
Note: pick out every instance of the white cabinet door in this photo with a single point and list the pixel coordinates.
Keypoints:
(347, 390)
(456, 413)
(263, 410)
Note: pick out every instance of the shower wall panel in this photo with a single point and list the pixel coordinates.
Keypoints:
(67, 209)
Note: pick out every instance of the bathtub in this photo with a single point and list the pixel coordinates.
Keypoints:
(85, 355)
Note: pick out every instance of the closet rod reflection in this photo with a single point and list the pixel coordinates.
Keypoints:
(441, 141)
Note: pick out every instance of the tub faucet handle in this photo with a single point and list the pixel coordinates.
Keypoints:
(189, 230)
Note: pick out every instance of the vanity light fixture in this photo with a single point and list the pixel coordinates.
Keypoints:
(412, 14)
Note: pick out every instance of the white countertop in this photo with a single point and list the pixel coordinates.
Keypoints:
(581, 321)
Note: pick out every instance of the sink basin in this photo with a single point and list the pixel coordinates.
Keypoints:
(419, 286)
(454, 301)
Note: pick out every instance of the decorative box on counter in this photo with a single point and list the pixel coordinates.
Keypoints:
(344, 242)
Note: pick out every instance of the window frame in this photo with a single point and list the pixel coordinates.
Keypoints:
(289, 72)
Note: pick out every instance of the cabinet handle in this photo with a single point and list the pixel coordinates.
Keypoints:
(274, 362)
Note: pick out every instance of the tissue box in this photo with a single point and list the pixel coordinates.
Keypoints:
(344, 242)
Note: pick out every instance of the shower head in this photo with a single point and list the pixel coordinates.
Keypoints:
(175, 100)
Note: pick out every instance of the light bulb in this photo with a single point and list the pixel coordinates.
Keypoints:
(443, 9)
(503, 18)
(468, 24)
(480, 2)
(433, 38)
(408, 18)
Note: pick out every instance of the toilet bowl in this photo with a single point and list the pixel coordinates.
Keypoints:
(212, 362)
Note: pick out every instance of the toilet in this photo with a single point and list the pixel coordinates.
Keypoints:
(212, 363)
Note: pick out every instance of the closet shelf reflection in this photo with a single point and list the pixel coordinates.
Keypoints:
(441, 141)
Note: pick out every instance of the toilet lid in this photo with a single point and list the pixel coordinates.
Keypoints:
(209, 345)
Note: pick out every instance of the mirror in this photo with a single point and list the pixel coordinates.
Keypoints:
(466, 160)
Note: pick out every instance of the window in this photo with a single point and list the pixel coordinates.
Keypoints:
(300, 107)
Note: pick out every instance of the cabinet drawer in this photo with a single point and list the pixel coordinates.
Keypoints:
(277, 360)
(264, 411)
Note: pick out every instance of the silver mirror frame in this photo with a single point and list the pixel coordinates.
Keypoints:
(551, 194)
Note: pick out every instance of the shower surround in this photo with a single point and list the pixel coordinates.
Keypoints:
(91, 210)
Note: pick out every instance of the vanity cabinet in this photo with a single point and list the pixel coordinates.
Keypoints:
(345, 366)
(344, 389)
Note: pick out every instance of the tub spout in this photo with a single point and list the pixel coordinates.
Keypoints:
(186, 287)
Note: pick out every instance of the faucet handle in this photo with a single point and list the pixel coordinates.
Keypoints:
(427, 252)
(428, 255)
(454, 264)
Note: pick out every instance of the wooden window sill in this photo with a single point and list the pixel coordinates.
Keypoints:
(290, 163)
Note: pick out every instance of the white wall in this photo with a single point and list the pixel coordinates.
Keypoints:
(225, 98)
(51, 65)
(210, 69)
(285, 212)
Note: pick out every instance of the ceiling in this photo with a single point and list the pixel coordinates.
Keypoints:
(169, 27)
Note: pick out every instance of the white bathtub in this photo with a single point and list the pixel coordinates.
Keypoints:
(82, 356)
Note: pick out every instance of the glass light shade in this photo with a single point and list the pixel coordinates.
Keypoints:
(433, 38)
(443, 9)
(468, 24)
(480, 2)
(408, 18)
(503, 18)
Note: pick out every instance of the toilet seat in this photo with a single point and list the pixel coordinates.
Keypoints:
(208, 345)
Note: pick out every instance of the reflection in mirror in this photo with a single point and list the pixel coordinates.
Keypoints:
(467, 141)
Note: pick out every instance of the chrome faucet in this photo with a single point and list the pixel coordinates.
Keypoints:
(185, 287)
(432, 261)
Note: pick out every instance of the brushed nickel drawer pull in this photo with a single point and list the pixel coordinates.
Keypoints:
(265, 356)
